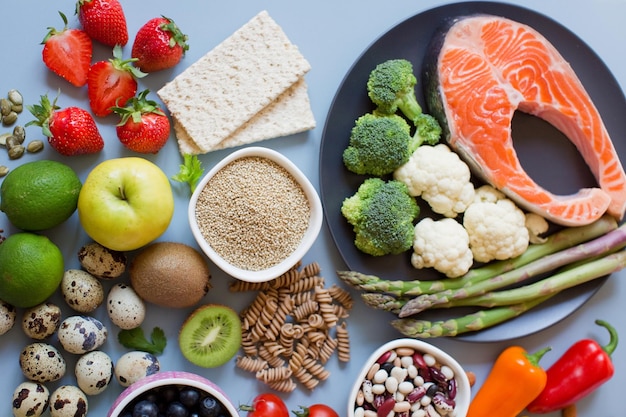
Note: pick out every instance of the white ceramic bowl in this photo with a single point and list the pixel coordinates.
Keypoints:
(463, 389)
(162, 379)
(315, 221)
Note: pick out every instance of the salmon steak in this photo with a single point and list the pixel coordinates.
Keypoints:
(485, 68)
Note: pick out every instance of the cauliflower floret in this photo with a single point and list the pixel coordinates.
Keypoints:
(495, 225)
(440, 177)
(536, 226)
(443, 245)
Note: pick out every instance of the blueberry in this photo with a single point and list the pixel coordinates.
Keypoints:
(145, 408)
(209, 407)
(176, 409)
(168, 394)
(189, 397)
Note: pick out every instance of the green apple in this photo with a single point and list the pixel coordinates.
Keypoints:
(125, 203)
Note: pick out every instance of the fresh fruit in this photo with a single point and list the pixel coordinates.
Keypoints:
(112, 83)
(103, 20)
(266, 405)
(39, 195)
(210, 336)
(316, 410)
(170, 274)
(31, 269)
(159, 44)
(143, 126)
(125, 203)
(70, 131)
(67, 53)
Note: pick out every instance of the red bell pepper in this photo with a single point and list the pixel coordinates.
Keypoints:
(583, 367)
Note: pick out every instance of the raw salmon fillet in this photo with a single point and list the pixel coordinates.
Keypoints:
(488, 67)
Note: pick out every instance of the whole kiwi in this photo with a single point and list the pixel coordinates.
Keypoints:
(170, 274)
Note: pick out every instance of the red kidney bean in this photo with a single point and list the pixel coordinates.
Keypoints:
(452, 388)
(386, 407)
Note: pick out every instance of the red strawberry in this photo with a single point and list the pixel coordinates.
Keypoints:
(143, 127)
(103, 20)
(159, 44)
(71, 131)
(112, 83)
(67, 53)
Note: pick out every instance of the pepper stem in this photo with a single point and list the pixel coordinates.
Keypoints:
(609, 347)
(534, 358)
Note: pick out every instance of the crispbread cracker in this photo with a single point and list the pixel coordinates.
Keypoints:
(289, 114)
(233, 82)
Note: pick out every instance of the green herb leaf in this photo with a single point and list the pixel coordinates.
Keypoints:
(190, 171)
(136, 339)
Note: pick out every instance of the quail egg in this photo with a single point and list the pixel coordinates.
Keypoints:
(7, 317)
(94, 372)
(102, 262)
(42, 362)
(81, 334)
(135, 365)
(41, 321)
(81, 291)
(68, 401)
(124, 307)
(30, 399)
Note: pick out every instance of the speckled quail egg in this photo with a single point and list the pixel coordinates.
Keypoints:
(94, 372)
(81, 291)
(30, 399)
(124, 307)
(102, 262)
(41, 321)
(133, 366)
(68, 401)
(7, 317)
(81, 334)
(42, 362)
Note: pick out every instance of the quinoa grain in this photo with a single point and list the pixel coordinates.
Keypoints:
(253, 213)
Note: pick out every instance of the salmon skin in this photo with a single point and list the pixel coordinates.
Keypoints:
(486, 67)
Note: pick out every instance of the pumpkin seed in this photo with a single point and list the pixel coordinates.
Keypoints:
(15, 97)
(9, 119)
(4, 170)
(3, 138)
(5, 106)
(16, 152)
(34, 146)
(20, 133)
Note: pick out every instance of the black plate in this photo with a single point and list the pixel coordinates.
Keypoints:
(545, 153)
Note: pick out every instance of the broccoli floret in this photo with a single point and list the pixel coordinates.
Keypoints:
(391, 86)
(382, 214)
(378, 145)
(428, 130)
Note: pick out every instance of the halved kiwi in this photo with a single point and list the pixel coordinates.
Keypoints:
(210, 336)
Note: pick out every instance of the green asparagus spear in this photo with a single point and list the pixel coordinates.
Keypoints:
(614, 240)
(556, 242)
(480, 320)
(383, 302)
(570, 277)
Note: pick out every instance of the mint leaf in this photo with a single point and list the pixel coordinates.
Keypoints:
(190, 171)
(136, 339)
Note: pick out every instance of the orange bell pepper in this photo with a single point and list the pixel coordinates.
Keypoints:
(515, 379)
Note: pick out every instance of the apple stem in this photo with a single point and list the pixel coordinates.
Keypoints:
(121, 191)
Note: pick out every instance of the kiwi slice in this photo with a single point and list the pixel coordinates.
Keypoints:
(210, 336)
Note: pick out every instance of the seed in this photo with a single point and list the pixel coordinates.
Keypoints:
(10, 118)
(15, 97)
(4, 170)
(16, 152)
(3, 138)
(20, 133)
(17, 108)
(5, 106)
(11, 141)
(35, 146)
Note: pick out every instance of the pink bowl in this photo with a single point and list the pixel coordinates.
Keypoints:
(170, 378)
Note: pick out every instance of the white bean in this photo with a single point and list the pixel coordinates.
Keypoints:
(419, 413)
(405, 387)
(378, 389)
(430, 359)
(402, 407)
(399, 373)
(447, 372)
(391, 384)
(359, 412)
(380, 376)
(406, 362)
(412, 371)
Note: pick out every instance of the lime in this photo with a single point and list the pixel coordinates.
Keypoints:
(39, 195)
(31, 269)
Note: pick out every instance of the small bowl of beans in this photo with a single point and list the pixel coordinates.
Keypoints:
(255, 214)
(409, 377)
(173, 393)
